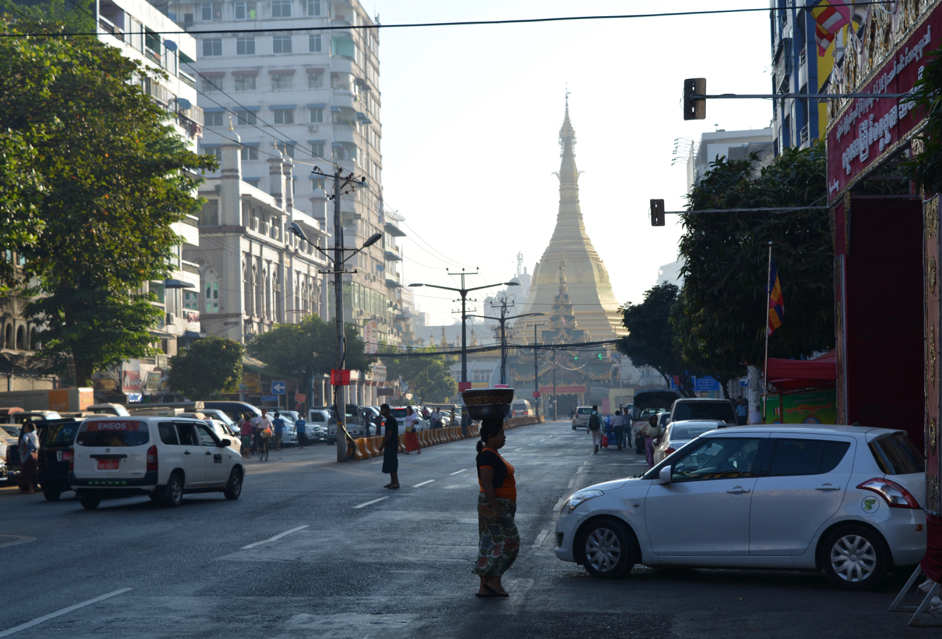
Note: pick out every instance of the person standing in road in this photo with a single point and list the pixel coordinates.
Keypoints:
(436, 418)
(301, 427)
(412, 439)
(651, 432)
(498, 538)
(390, 447)
(279, 425)
(618, 425)
(742, 411)
(29, 453)
(245, 434)
(595, 428)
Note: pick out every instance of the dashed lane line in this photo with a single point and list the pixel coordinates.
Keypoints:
(364, 504)
(572, 482)
(276, 537)
(59, 613)
(14, 540)
(458, 472)
(540, 538)
(423, 483)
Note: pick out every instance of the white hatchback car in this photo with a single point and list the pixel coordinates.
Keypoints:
(161, 457)
(842, 499)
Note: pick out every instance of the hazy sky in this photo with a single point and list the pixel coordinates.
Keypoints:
(471, 118)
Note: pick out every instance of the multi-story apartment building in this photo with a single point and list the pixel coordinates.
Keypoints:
(798, 67)
(312, 95)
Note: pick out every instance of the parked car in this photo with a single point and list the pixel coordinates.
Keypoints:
(11, 435)
(234, 410)
(163, 458)
(7, 441)
(399, 412)
(56, 439)
(23, 416)
(321, 426)
(703, 408)
(581, 417)
(676, 434)
(842, 499)
(289, 434)
(651, 402)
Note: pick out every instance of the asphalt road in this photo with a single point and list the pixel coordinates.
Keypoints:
(354, 560)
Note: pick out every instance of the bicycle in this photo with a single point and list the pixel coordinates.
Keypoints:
(263, 445)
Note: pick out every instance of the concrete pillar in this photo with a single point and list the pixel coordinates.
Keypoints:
(229, 268)
(276, 177)
(287, 169)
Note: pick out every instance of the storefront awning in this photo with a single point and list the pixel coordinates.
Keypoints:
(789, 374)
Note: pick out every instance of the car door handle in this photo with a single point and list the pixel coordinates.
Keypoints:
(827, 488)
(186, 452)
(738, 490)
(208, 453)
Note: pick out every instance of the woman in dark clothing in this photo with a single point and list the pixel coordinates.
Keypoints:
(499, 540)
(390, 447)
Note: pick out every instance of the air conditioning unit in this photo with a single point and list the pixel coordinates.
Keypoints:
(312, 128)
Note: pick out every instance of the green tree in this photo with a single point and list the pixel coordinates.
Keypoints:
(428, 375)
(208, 368)
(651, 339)
(114, 176)
(308, 349)
(925, 169)
(721, 314)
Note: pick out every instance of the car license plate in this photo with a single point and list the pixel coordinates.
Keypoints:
(64, 455)
(107, 464)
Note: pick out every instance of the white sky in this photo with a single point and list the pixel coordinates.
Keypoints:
(471, 118)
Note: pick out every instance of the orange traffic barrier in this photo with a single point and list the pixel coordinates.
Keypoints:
(424, 440)
(402, 443)
(376, 443)
(456, 434)
(361, 449)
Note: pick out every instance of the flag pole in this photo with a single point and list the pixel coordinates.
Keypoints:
(768, 292)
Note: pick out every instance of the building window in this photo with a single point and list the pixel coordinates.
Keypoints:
(212, 119)
(283, 116)
(281, 44)
(211, 292)
(315, 80)
(281, 8)
(282, 82)
(209, 216)
(317, 115)
(191, 301)
(314, 43)
(314, 8)
(245, 46)
(247, 118)
(317, 149)
(214, 151)
(244, 10)
(244, 83)
(249, 153)
(211, 85)
(212, 47)
(210, 12)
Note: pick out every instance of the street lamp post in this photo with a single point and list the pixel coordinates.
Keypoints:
(503, 336)
(463, 291)
(342, 186)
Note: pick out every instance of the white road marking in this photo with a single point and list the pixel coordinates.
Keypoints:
(59, 613)
(559, 505)
(423, 483)
(540, 538)
(276, 537)
(458, 472)
(572, 482)
(14, 540)
(371, 502)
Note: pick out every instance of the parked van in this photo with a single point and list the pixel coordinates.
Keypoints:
(161, 457)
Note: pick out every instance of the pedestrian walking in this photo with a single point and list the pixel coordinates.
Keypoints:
(29, 454)
(390, 447)
(651, 432)
(742, 411)
(412, 439)
(595, 428)
(245, 434)
(279, 425)
(618, 426)
(498, 538)
(301, 428)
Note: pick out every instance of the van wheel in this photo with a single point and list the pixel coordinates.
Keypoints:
(854, 558)
(234, 487)
(173, 495)
(607, 549)
(52, 495)
(90, 503)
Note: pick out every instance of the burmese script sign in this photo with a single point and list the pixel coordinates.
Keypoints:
(870, 127)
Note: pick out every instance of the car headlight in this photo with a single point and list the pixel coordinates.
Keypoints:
(578, 498)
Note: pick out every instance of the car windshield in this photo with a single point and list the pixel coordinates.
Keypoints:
(704, 410)
(717, 458)
(113, 433)
(681, 432)
(398, 413)
(58, 434)
(319, 416)
(897, 455)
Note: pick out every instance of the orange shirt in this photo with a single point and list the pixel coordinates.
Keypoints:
(505, 487)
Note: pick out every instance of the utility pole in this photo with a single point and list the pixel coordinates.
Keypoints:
(503, 319)
(536, 373)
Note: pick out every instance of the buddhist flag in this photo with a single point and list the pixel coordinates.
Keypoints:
(776, 301)
(830, 16)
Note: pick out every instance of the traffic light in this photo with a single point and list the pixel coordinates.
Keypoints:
(694, 109)
(657, 212)
(575, 357)
(600, 356)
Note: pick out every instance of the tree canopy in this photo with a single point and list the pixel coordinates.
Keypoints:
(108, 174)
(925, 169)
(720, 315)
(428, 377)
(208, 368)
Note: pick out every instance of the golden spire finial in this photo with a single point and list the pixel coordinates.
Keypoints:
(230, 123)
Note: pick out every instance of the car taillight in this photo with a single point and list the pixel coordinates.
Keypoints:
(669, 451)
(152, 459)
(895, 495)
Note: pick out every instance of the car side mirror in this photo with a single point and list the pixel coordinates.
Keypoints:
(664, 475)
(224, 443)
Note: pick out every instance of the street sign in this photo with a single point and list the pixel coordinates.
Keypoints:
(339, 377)
(269, 398)
(536, 394)
(705, 384)
(243, 388)
(370, 348)
(385, 392)
(379, 373)
(300, 398)
(464, 386)
(277, 388)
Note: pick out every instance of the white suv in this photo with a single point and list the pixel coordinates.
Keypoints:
(161, 457)
(843, 499)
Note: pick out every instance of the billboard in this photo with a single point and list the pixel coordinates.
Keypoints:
(808, 407)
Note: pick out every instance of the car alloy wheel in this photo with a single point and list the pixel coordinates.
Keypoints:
(234, 487)
(855, 558)
(607, 550)
(173, 495)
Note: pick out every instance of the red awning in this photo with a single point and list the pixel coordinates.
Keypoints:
(789, 374)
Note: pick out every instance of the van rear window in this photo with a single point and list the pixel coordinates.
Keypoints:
(58, 434)
(113, 434)
(585, 411)
(897, 455)
(704, 410)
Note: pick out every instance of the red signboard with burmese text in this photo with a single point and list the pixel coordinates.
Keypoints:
(870, 128)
